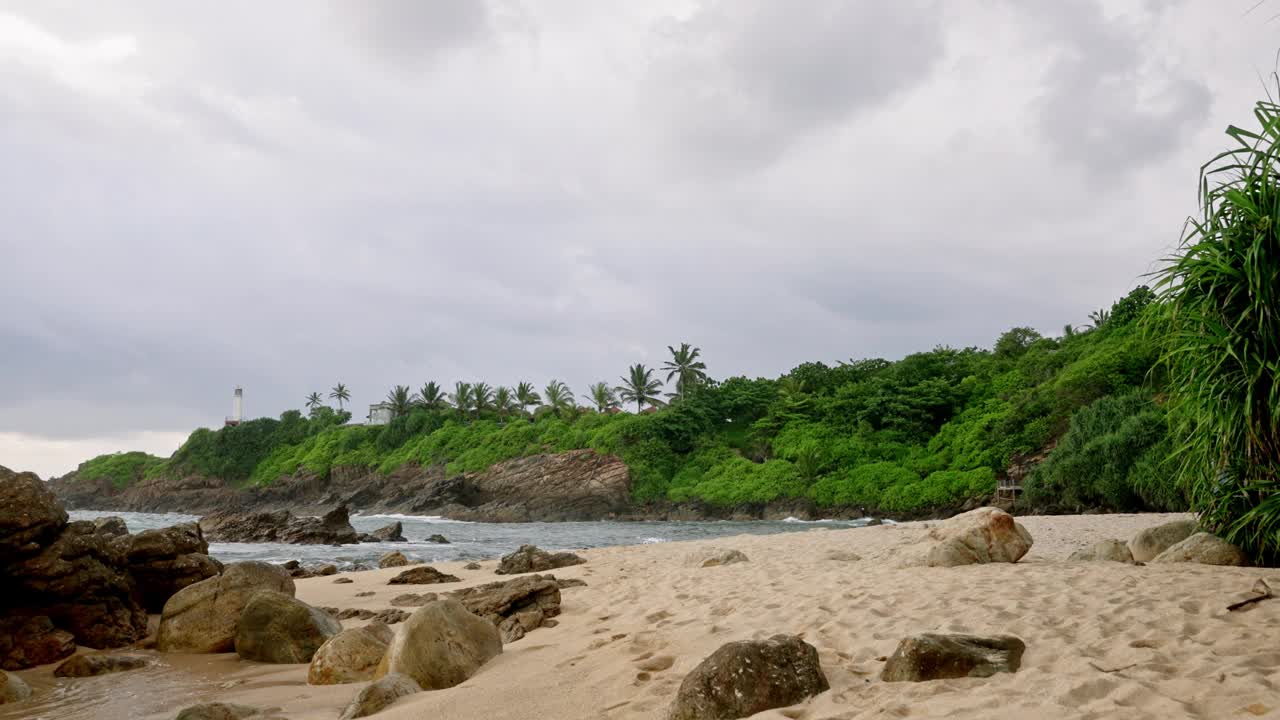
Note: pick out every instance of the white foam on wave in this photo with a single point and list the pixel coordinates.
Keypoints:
(422, 518)
(653, 540)
(806, 522)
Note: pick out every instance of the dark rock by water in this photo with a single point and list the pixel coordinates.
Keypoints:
(389, 533)
(165, 560)
(26, 641)
(422, 575)
(80, 666)
(530, 558)
(334, 528)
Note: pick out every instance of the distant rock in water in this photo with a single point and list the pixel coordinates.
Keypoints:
(439, 540)
(281, 526)
(530, 558)
(389, 533)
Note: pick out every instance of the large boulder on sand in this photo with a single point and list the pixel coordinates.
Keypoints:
(422, 575)
(379, 694)
(165, 560)
(514, 606)
(984, 535)
(395, 558)
(441, 644)
(530, 558)
(714, 557)
(30, 515)
(750, 676)
(1205, 549)
(202, 618)
(13, 688)
(29, 641)
(350, 656)
(279, 628)
(1104, 550)
(935, 657)
(1149, 543)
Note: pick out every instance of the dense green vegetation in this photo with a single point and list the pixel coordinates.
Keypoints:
(927, 432)
(121, 468)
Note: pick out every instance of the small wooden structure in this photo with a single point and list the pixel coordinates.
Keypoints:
(1007, 488)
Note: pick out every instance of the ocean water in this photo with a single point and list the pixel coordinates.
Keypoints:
(472, 540)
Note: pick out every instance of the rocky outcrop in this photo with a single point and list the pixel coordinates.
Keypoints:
(744, 678)
(530, 558)
(392, 559)
(439, 540)
(113, 526)
(441, 644)
(1104, 550)
(935, 657)
(333, 528)
(350, 656)
(202, 618)
(379, 694)
(1205, 549)
(389, 533)
(984, 535)
(279, 628)
(30, 516)
(514, 606)
(81, 666)
(12, 688)
(165, 560)
(422, 575)
(1149, 543)
(27, 641)
(712, 557)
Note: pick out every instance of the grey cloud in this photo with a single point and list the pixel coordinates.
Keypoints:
(415, 31)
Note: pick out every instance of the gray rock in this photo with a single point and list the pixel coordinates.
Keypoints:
(714, 557)
(79, 666)
(935, 657)
(202, 618)
(395, 558)
(1104, 550)
(1205, 549)
(441, 645)
(13, 688)
(984, 535)
(422, 575)
(530, 558)
(751, 676)
(379, 694)
(278, 628)
(389, 533)
(1149, 543)
(439, 540)
(350, 656)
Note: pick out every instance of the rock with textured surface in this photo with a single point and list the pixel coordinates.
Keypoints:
(91, 665)
(422, 575)
(395, 558)
(224, 711)
(202, 618)
(747, 677)
(935, 657)
(388, 533)
(333, 528)
(530, 558)
(1150, 542)
(984, 535)
(514, 606)
(279, 628)
(379, 694)
(30, 515)
(1205, 549)
(413, 599)
(439, 540)
(1104, 550)
(165, 560)
(441, 644)
(350, 656)
(111, 525)
(13, 688)
(29, 641)
(713, 557)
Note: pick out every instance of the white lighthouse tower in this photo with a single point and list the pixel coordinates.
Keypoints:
(237, 406)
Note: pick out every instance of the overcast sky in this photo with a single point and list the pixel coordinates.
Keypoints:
(287, 195)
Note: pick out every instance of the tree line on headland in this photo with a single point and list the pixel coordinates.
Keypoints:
(1168, 400)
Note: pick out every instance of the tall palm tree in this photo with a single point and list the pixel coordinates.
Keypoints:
(314, 401)
(431, 397)
(1099, 317)
(400, 400)
(558, 396)
(602, 396)
(481, 397)
(640, 387)
(685, 367)
(526, 395)
(461, 397)
(503, 401)
(341, 394)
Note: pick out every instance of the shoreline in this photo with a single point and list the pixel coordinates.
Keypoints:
(1160, 634)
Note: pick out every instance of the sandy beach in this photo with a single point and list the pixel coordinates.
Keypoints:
(1103, 639)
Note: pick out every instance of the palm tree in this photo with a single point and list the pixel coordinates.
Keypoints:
(341, 394)
(558, 396)
(602, 396)
(685, 367)
(461, 397)
(481, 397)
(314, 401)
(526, 395)
(640, 387)
(400, 400)
(1099, 317)
(431, 397)
(503, 401)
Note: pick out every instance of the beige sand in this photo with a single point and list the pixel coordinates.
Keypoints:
(1103, 639)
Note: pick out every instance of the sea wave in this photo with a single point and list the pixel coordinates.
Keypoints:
(653, 541)
(421, 518)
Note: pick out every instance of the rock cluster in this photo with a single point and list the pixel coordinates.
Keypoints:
(333, 528)
(441, 644)
(165, 560)
(515, 606)
(744, 678)
(530, 558)
(983, 535)
(202, 618)
(1150, 542)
